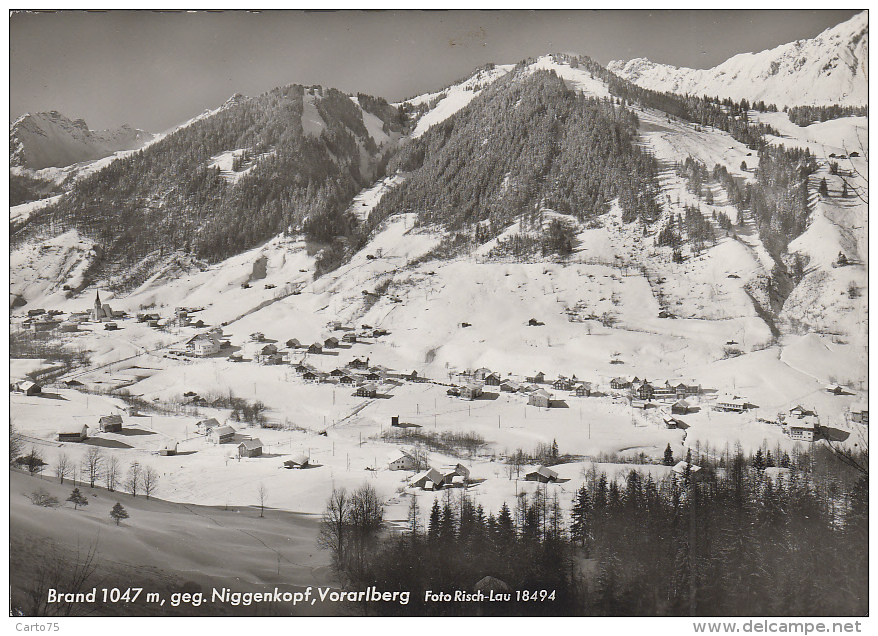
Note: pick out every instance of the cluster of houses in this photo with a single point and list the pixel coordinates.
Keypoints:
(433, 479)
(73, 431)
(366, 380)
(217, 433)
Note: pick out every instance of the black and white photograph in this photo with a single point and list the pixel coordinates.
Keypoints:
(420, 313)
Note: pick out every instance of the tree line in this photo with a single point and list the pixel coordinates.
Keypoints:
(726, 539)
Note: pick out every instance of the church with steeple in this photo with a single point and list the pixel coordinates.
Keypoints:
(100, 311)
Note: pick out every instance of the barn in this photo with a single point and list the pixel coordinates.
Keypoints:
(681, 407)
(221, 434)
(72, 432)
(542, 474)
(250, 448)
(298, 461)
(583, 389)
(430, 479)
(110, 423)
(315, 347)
(28, 388)
(330, 343)
(169, 448)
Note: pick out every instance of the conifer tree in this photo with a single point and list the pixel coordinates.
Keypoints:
(77, 499)
(118, 513)
(580, 516)
(759, 460)
(669, 456)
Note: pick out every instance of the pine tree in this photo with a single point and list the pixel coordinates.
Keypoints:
(844, 189)
(580, 515)
(77, 499)
(435, 517)
(118, 513)
(743, 165)
(785, 460)
(759, 460)
(823, 189)
(769, 460)
(669, 456)
(554, 449)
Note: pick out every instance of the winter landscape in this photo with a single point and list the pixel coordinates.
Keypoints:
(591, 334)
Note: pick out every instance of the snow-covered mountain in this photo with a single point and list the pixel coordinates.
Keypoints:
(43, 140)
(831, 68)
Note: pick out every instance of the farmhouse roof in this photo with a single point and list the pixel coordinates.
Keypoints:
(546, 472)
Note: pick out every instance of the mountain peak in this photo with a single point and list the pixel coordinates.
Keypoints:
(831, 68)
(50, 139)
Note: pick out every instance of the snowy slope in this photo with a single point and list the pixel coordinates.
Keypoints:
(831, 68)
(450, 100)
(43, 140)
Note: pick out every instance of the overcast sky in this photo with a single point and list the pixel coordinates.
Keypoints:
(155, 70)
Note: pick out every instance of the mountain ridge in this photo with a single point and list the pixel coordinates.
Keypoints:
(52, 140)
(831, 68)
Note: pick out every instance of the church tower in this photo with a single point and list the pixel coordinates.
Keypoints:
(98, 312)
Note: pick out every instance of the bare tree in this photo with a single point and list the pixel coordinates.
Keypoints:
(111, 472)
(92, 464)
(133, 481)
(263, 493)
(60, 570)
(148, 479)
(333, 526)
(62, 466)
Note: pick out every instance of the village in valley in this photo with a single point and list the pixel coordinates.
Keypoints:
(338, 408)
(558, 322)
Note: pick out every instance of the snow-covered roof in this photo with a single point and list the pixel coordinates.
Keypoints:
(71, 428)
(680, 468)
(209, 423)
(251, 444)
(223, 430)
(301, 459)
(111, 419)
(546, 472)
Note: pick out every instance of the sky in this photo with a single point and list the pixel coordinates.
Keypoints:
(155, 70)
